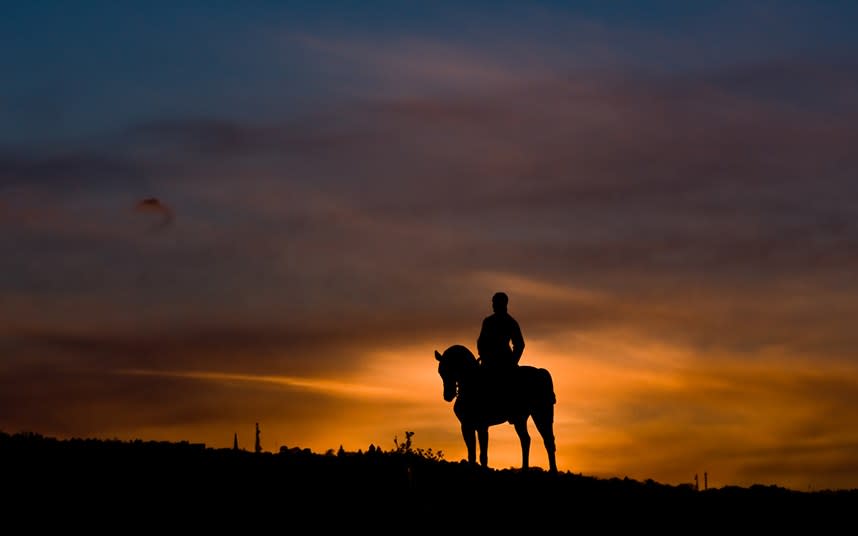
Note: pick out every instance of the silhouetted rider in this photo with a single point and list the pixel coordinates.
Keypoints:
(500, 343)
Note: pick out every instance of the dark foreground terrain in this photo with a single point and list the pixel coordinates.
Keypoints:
(143, 487)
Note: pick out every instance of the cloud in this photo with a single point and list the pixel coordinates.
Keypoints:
(416, 64)
(741, 421)
(225, 138)
(65, 170)
(156, 206)
(347, 390)
(621, 186)
(703, 217)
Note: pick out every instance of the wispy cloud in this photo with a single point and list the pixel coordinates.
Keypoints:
(413, 64)
(332, 387)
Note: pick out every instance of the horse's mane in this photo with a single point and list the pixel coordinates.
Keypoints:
(462, 355)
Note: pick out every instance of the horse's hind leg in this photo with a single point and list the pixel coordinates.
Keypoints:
(470, 443)
(483, 435)
(524, 438)
(544, 422)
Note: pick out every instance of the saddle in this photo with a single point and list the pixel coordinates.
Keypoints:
(500, 389)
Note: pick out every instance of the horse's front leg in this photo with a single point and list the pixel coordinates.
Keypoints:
(483, 435)
(468, 434)
(524, 438)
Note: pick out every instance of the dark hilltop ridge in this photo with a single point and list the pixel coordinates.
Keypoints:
(102, 485)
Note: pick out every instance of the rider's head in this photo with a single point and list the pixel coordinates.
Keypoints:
(499, 302)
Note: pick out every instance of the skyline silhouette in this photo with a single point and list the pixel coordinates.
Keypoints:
(96, 484)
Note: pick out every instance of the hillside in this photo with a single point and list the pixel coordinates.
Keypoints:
(96, 484)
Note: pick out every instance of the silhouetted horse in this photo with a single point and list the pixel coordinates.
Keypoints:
(480, 404)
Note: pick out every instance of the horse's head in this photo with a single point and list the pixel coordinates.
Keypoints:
(454, 365)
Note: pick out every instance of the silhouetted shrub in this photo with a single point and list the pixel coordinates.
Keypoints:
(406, 448)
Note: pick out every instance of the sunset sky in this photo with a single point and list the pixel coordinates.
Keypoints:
(214, 214)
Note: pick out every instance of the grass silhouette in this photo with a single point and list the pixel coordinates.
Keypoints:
(100, 485)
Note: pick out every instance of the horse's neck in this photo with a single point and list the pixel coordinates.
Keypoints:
(469, 373)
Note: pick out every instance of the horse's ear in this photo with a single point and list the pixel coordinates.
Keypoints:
(437, 355)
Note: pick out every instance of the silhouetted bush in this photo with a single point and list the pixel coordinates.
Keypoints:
(406, 448)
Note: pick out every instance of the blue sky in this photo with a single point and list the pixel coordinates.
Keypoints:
(86, 68)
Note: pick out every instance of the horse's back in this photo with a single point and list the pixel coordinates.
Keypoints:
(537, 384)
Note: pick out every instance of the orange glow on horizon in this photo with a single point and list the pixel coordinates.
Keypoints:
(625, 407)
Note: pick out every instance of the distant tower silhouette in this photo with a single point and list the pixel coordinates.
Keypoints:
(696, 483)
(235, 441)
(705, 480)
(258, 446)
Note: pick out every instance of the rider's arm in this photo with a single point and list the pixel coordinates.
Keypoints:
(517, 342)
(481, 340)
